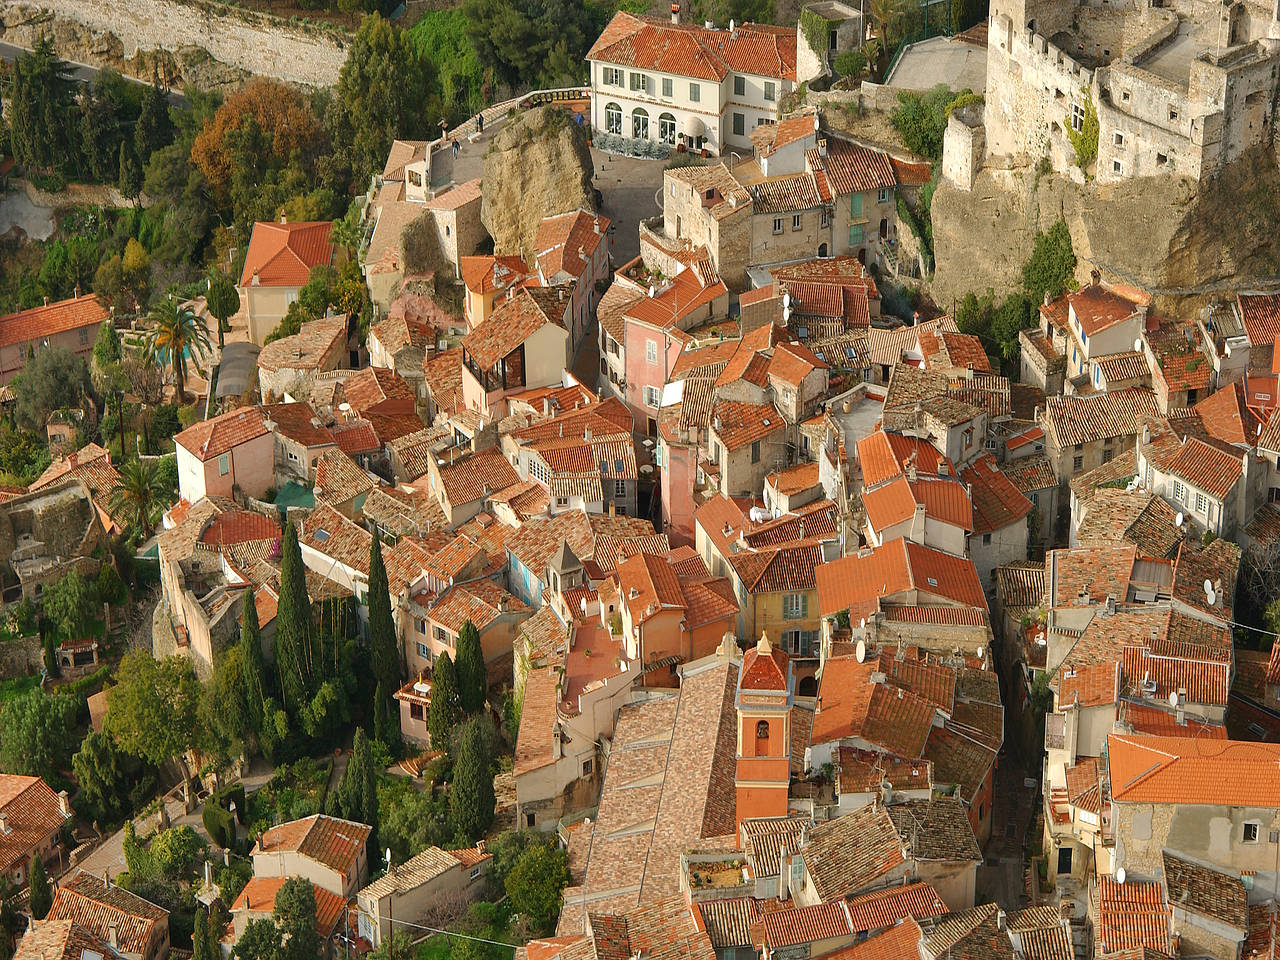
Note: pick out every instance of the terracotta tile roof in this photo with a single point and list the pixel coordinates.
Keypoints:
(259, 897)
(1098, 308)
(691, 289)
(919, 901)
(782, 569)
(97, 907)
(1226, 416)
(738, 424)
(1121, 468)
(330, 533)
(297, 422)
(31, 809)
(849, 853)
(783, 194)
(1263, 940)
(1123, 366)
(854, 702)
(1179, 363)
(996, 501)
(207, 439)
(566, 242)
(935, 829)
(306, 349)
(443, 375)
(944, 351)
(722, 194)
(1218, 562)
(395, 333)
(1145, 769)
(339, 478)
(335, 843)
(793, 480)
(356, 437)
(851, 168)
(31, 326)
(745, 364)
(884, 456)
(1020, 584)
(856, 583)
(1132, 914)
(1095, 572)
(466, 192)
(477, 476)
(378, 389)
(792, 362)
(1091, 685)
(771, 137)
(1113, 514)
(1206, 891)
(485, 274)
(663, 929)
(510, 325)
(1261, 316)
(283, 254)
(481, 602)
(1029, 474)
(1081, 419)
(765, 838)
(60, 940)
(1204, 681)
(648, 585)
(803, 925)
(1202, 466)
(899, 942)
(689, 50)
(727, 922)
(240, 526)
(944, 499)
(91, 464)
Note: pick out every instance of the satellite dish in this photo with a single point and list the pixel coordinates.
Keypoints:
(861, 651)
(1208, 586)
(981, 651)
(786, 314)
(1177, 521)
(1137, 345)
(344, 406)
(582, 604)
(786, 300)
(1211, 597)
(862, 624)
(1120, 875)
(1173, 698)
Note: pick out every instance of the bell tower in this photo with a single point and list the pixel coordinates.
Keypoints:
(765, 698)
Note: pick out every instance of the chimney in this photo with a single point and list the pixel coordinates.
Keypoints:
(612, 509)
(4, 823)
(1047, 299)
(283, 218)
(1095, 277)
(480, 845)
(208, 873)
(64, 804)
(46, 301)
(675, 14)
(113, 935)
(77, 291)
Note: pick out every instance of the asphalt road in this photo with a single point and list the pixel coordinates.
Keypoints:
(85, 73)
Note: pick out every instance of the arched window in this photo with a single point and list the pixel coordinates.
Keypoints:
(613, 118)
(640, 124)
(667, 128)
(822, 248)
(762, 730)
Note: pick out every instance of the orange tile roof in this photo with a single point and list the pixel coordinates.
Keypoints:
(283, 254)
(792, 362)
(775, 136)
(339, 478)
(29, 326)
(649, 584)
(510, 325)
(849, 853)
(1226, 416)
(1261, 316)
(443, 374)
(686, 293)
(857, 583)
(946, 351)
(1132, 915)
(464, 193)
(378, 389)
(690, 50)
(919, 901)
(356, 437)
(481, 602)
(852, 168)
(31, 809)
(1189, 770)
(240, 526)
(802, 925)
(883, 455)
(476, 476)
(485, 274)
(85, 899)
(764, 670)
(298, 422)
(900, 942)
(335, 843)
(738, 424)
(796, 479)
(566, 242)
(1080, 419)
(997, 502)
(786, 568)
(59, 940)
(1197, 680)
(1097, 308)
(1162, 722)
(795, 191)
(943, 499)
(1091, 685)
(308, 348)
(207, 439)
(259, 897)
(853, 703)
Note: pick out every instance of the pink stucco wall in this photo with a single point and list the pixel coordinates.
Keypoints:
(678, 475)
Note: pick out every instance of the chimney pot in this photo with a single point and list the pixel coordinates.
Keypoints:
(675, 13)
(64, 804)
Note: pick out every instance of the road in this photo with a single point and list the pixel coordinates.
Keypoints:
(85, 73)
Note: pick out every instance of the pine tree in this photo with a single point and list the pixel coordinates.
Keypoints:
(470, 669)
(295, 629)
(41, 897)
(130, 182)
(154, 128)
(383, 648)
(253, 668)
(445, 712)
(471, 797)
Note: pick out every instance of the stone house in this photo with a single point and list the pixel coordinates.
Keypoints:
(999, 533)
(463, 486)
(46, 533)
(276, 267)
(1209, 486)
(326, 850)
(301, 438)
(288, 366)
(747, 442)
(573, 248)
(232, 451)
(1083, 432)
(524, 344)
(71, 323)
(34, 817)
(257, 901)
(136, 929)
(431, 886)
(436, 623)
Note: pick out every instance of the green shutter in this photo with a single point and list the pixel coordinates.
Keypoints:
(855, 205)
(804, 605)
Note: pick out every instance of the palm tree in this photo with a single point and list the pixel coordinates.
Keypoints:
(139, 496)
(886, 15)
(178, 331)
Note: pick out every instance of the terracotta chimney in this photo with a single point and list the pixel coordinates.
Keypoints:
(675, 13)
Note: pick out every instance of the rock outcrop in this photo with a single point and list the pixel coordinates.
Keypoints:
(1166, 234)
(538, 165)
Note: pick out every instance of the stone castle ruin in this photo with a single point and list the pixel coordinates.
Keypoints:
(1181, 87)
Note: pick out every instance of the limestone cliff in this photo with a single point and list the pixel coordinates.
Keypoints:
(538, 165)
(1164, 234)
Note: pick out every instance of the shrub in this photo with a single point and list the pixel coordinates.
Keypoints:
(851, 63)
(219, 824)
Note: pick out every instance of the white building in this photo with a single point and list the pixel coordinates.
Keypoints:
(699, 86)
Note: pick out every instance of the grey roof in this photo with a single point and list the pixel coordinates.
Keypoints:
(238, 370)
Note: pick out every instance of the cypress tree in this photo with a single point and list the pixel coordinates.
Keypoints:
(384, 650)
(253, 669)
(444, 713)
(471, 796)
(41, 897)
(200, 937)
(381, 716)
(369, 795)
(295, 630)
(470, 669)
(154, 128)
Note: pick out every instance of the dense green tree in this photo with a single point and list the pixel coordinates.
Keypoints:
(384, 727)
(54, 379)
(104, 110)
(154, 128)
(40, 895)
(106, 348)
(70, 602)
(176, 333)
(384, 648)
(140, 496)
(536, 885)
(108, 779)
(385, 90)
(253, 666)
(200, 946)
(444, 711)
(223, 300)
(295, 629)
(129, 179)
(506, 850)
(10, 918)
(41, 111)
(471, 796)
(472, 679)
(1052, 264)
(153, 711)
(412, 820)
(260, 941)
(357, 791)
(222, 702)
(36, 733)
(50, 656)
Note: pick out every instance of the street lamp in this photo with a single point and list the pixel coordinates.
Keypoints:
(391, 895)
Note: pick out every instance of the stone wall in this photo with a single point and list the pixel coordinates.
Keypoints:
(122, 33)
(21, 657)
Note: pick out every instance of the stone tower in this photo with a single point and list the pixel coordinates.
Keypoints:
(765, 698)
